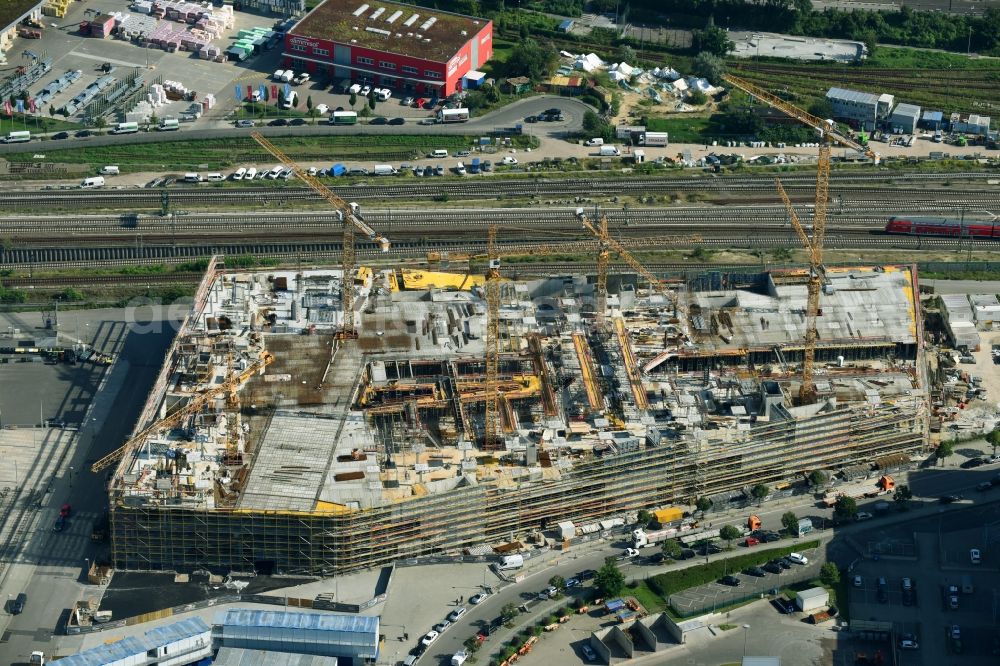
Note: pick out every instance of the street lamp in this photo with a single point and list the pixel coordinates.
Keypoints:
(746, 627)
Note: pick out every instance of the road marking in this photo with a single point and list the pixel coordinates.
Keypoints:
(87, 56)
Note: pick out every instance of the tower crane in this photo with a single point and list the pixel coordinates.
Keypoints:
(491, 433)
(228, 387)
(350, 214)
(828, 135)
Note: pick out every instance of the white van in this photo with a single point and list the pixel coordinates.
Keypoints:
(383, 170)
(110, 170)
(597, 141)
(384, 94)
(192, 178)
(215, 178)
(609, 151)
(240, 173)
(439, 153)
(287, 76)
(290, 100)
(275, 172)
(511, 562)
(278, 75)
(92, 183)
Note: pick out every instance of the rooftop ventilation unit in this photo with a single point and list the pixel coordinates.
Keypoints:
(395, 15)
(410, 21)
(379, 31)
(361, 10)
(428, 23)
(378, 12)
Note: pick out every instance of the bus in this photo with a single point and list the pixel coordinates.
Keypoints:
(453, 115)
(18, 137)
(344, 118)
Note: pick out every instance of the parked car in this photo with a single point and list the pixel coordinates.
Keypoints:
(82, 134)
(245, 123)
(398, 121)
(731, 581)
(457, 613)
(586, 574)
(531, 119)
(406, 101)
(60, 135)
(463, 153)
(630, 552)
(278, 122)
(321, 109)
(798, 558)
(975, 556)
(973, 462)
(365, 91)
(949, 499)
(573, 582)
(508, 159)
(858, 582)
(441, 626)
(379, 120)
(297, 121)
(955, 631)
(784, 563)
(17, 604)
(985, 485)
(588, 652)
(772, 567)
(429, 637)
(755, 571)
(477, 599)
(862, 515)
(60, 524)
(65, 510)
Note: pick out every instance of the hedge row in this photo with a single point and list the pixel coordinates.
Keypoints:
(666, 584)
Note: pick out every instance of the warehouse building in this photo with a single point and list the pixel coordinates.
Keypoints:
(987, 311)
(932, 120)
(408, 48)
(185, 642)
(904, 118)
(351, 637)
(860, 109)
(960, 321)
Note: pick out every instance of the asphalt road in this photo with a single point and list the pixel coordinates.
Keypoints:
(507, 116)
(928, 483)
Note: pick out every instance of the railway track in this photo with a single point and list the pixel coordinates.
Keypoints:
(58, 282)
(330, 251)
(144, 199)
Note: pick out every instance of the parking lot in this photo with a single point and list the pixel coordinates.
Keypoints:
(947, 591)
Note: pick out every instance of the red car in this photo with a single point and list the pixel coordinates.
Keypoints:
(752, 541)
(420, 103)
(65, 510)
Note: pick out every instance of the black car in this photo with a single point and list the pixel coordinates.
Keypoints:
(687, 554)
(657, 558)
(755, 571)
(783, 605)
(278, 122)
(768, 537)
(60, 524)
(731, 581)
(586, 574)
(949, 499)
(82, 134)
(784, 563)
(773, 567)
(60, 135)
(379, 121)
(297, 121)
(552, 112)
(531, 119)
(908, 597)
(17, 605)
(973, 462)
(397, 121)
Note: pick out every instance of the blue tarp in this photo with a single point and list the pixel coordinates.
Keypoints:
(614, 605)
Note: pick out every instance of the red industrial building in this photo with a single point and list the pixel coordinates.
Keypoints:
(410, 49)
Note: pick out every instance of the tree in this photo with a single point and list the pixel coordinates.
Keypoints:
(791, 522)
(533, 59)
(845, 507)
(627, 54)
(712, 39)
(994, 440)
(509, 612)
(267, 95)
(818, 477)
(671, 548)
(354, 99)
(371, 102)
(644, 518)
(697, 98)
(829, 574)
(558, 582)
(870, 38)
(471, 644)
(709, 66)
(821, 108)
(759, 492)
(704, 504)
(729, 533)
(309, 103)
(281, 99)
(490, 92)
(944, 450)
(609, 579)
(903, 494)
(100, 123)
(595, 127)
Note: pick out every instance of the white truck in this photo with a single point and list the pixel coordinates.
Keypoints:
(511, 562)
(459, 658)
(169, 124)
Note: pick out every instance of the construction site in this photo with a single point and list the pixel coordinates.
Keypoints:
(278, 444)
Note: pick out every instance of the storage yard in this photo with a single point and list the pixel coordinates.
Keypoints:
(373, 449)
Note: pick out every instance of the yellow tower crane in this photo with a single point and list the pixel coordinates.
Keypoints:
(193, 406)
(491, 433)
(828, 135)
(350, 215)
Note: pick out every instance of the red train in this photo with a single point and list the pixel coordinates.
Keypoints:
(943, 226)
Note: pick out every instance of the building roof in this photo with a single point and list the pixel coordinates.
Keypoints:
(228, 656)
(11, 11)
(814, 593)
(933, 116)
(410, 30)
(242, 617)
(107, 654)
(177, 631)
(852, 96)
(903, 109)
